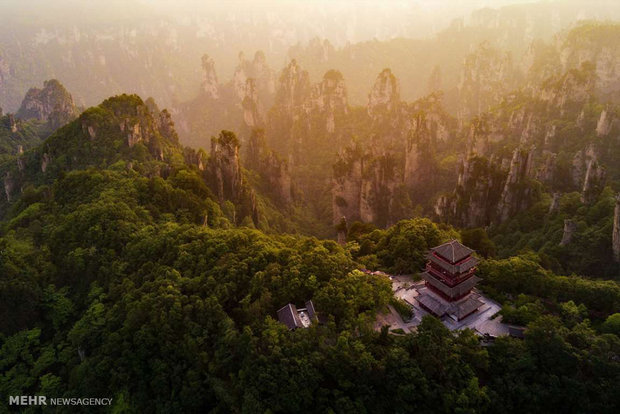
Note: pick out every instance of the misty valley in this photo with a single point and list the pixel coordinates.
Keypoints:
(233, 208)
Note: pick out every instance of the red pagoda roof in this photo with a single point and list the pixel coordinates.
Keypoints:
(453, 251)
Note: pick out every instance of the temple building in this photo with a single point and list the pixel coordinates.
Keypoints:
(449, 279)
(295, 318)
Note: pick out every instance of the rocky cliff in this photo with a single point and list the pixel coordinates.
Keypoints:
(571, 90)
(263, 75)
(486, 76)
(307, 119)
(364, 186)
(474, 201)
(274, 171)
(210, 85)
(379, 176)
(328, 99)
(595, 44)
(252, 110)
(490, 188)
(384, 97)
(428, 129)
(226, 178)
(121, 128)
(239, 105)
(570, 228)
(52, 104)
(225, 166)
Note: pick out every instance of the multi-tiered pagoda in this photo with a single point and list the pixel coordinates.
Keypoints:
(449, 279)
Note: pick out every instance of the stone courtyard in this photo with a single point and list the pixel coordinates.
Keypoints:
(404, 287)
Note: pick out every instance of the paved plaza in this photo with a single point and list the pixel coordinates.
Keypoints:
(484, 321)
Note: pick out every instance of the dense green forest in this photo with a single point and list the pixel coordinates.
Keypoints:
(146, 254)
(123, 275)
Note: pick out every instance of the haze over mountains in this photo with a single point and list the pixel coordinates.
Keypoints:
(133, 46)
(175, 174)
(513, 107)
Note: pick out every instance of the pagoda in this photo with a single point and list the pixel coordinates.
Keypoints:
(449, 279)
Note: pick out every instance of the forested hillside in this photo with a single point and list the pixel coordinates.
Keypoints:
(122, 276)
(146, 254)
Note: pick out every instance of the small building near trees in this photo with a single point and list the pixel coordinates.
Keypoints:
(294, 317)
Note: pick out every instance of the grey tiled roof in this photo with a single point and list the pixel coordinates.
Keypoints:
(453, 251)
(467, 306)
(436, 306)
(288, 316)
(440, 307)
(310, 308)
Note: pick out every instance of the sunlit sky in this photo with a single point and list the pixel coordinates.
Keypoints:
(372, 19)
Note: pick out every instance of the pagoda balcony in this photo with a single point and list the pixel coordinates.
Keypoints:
(450, 292)
(446, 277)
(457, 268)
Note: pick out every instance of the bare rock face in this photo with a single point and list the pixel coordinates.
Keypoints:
(197, 158)
(288, 126)
(274, 170)
(240, 77)
(250, 104)
(532, 128)
(279, 177)
(347, 192)
(52, 103)
(514, 197)
(307, 119)
(210, 85)
(9, 184)
(425, 133)
(45, 160)
(546, 170)
(478, 140)
(570, 228)
(604, 124)
(294, 87)
(363, 186)
(550, 134)
(225, 166)
(434, 83)
(488, 191)
(573, 88)
(258, 70)
(594, 182)
(12, 123)
(384, 98)
(20, 159)
(598, 47)
(580, 163)
(473, 202)
(330, 98)
(555, 203)
(487, 75)
(616, 231)
(134, 133)
(89, 129)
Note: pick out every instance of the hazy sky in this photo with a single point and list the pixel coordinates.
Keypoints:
(342, 20)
